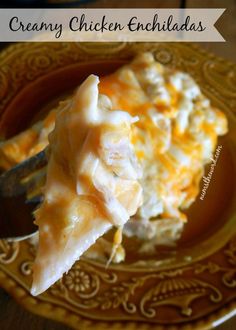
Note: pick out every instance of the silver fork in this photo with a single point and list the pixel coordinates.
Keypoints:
(16, 211)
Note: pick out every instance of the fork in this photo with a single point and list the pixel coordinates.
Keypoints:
(16, 210)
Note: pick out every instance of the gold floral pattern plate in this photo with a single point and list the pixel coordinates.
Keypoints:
(190, 286)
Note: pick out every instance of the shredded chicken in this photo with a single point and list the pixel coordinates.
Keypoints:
(92, 182)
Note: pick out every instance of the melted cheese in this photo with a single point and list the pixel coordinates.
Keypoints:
(27, 143)
(91, 182)
(172, 150)
(173, 140)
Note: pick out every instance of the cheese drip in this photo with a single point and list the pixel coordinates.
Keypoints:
(92, 182)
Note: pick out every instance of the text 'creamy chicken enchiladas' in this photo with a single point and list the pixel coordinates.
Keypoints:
(128, 152)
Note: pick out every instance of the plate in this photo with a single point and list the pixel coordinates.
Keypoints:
(190, 286)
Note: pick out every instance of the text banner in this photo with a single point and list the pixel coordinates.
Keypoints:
(110, 24)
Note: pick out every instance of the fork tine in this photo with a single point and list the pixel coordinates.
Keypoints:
(34, 200)
(10, 181)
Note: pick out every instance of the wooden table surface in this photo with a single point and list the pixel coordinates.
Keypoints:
(11, 314)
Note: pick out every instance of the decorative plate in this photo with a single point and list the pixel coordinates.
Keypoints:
(191, 286)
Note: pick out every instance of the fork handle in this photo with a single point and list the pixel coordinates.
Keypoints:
(10, 181)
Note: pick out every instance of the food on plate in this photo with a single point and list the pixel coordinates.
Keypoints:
(174, 139)
(171, 133)
(28, 143)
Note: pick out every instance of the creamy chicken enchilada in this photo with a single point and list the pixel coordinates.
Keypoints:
(173, 138)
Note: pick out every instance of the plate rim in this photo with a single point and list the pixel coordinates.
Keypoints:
(19, 293)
